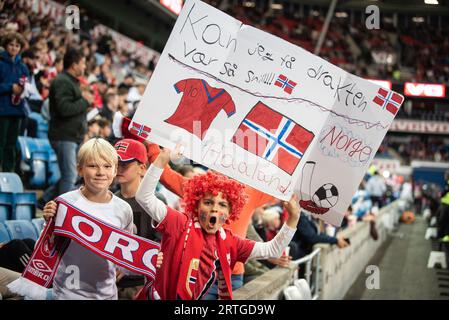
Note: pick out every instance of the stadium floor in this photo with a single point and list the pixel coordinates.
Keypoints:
(402, 261)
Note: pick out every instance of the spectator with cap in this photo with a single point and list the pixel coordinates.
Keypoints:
(68, 110)
(133, 162)
(13, 75)
(132, 165)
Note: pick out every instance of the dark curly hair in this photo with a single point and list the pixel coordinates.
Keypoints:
(196, 188)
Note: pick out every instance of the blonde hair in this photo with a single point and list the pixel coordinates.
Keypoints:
(96, 149)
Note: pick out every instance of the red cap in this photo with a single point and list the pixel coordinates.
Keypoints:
(129, 149)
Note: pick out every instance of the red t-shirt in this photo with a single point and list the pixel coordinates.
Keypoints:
(172, 228)
(200, 102)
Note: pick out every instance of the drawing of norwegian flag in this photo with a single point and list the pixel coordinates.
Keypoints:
(269, 135)
(284, 83)
(139, 129)
(389, 100)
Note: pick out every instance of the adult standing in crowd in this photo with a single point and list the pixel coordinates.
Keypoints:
(68, 124)
(13, 74)
(376, 189)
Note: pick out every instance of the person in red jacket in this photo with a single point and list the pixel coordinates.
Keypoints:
(198, 251)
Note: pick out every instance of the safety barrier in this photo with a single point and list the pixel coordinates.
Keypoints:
(329, 271)
(311, 264)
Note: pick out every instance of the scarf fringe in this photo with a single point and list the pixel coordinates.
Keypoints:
(25, 287)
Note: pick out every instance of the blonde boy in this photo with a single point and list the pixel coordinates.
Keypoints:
(81, 273)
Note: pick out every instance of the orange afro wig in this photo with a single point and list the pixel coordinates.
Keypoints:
(196, 188)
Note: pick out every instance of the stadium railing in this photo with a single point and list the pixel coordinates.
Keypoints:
(329, 271)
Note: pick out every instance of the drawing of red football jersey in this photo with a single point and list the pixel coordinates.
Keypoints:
(199, 106)
(274, 137)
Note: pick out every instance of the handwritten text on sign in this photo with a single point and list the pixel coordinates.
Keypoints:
(265, 112)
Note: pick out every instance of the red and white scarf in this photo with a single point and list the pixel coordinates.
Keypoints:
(192, 247)
(71, 223)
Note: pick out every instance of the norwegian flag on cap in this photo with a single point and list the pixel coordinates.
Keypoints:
(271, 136)
(389, 100)
(122, 146)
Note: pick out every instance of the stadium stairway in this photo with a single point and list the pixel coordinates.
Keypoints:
(402, 262)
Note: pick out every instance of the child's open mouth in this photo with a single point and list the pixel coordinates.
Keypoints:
(212, 221)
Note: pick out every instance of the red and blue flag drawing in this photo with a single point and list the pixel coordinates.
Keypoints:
(389, 100)
(273, 137)
(284, 83)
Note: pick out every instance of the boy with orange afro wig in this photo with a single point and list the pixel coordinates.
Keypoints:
(197, 249)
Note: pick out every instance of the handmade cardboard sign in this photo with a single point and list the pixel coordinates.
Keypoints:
(264, 111)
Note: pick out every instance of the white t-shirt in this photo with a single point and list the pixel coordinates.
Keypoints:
(81, 273)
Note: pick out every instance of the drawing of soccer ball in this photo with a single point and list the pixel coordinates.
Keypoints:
(326, 196)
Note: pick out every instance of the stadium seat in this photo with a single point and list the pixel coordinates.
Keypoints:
(437, 257)
(6, 205)
(52, 173)
(38, 223)
(25, 206)
(42, 125)
(431, 232)
(10, 182)
(4, 234)
(39, 161)
(304, 287)
(21, 229)
(292, 293)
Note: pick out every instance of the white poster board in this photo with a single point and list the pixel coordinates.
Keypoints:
(264, 111)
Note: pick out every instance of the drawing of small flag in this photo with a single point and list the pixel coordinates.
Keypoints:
(139, 129)
(389, 100)
(286, 84)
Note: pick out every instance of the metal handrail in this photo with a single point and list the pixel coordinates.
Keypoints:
(307, 260)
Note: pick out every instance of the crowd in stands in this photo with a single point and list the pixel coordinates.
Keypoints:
(429, 148)
(83, 86)
(421, 48)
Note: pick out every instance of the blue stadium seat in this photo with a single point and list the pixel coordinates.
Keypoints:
(21, 229)
(25, 206)
(53, 174)
(4, 234)
(22, 146)
(6, 205)
(42, 125)
(10, 182)
(39, 160)
(38, 223)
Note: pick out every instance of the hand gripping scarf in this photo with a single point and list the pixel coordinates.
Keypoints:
(71, 224)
